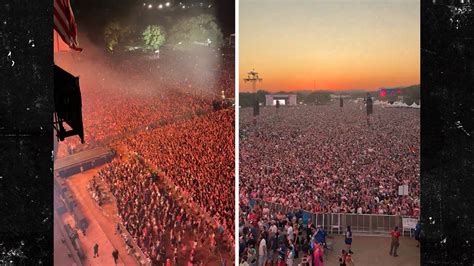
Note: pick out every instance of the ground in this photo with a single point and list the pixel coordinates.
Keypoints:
(373, 251)
(102, 224)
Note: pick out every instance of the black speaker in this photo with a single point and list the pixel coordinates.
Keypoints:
(370, 108)
(67, 104)
(256, 108)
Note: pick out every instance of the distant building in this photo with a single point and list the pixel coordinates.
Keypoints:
(283, 99)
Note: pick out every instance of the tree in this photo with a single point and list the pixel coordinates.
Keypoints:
(318, 97)
(195, 30)
(153, 37)
(408, 100)
(261, 96)
(115, 35)
(247, 99)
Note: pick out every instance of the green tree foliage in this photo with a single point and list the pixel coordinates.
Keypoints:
(318, 97)
(408, 100)
(411, 94)
(247, 99)
(261, 96)
(115, 35)
(153, 37)
(188, 31)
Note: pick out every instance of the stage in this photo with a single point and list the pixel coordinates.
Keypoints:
(82, 161)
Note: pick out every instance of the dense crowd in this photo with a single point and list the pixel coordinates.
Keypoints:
(161, 110)
(275, 238)
(328, 159)
(129, 95)
(198, 156)
(160, 225)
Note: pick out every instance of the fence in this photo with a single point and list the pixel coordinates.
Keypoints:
(133, 248)
(131, 245)
(336, 223)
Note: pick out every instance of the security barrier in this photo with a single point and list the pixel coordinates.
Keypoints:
(336, 223)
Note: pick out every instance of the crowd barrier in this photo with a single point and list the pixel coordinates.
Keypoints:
(133, 247)
(336, 223)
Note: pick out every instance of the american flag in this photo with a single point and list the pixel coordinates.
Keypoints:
(65, 24)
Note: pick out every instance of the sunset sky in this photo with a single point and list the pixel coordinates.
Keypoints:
(330, 44)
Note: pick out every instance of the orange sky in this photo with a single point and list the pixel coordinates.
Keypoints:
(330, 44)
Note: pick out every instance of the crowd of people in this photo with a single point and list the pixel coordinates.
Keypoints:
(267, 237)
(163, 228)
(329, 159)
(198, 156)
(161, 110)
(127, 94)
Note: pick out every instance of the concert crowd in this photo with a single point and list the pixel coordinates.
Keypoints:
(329, 159)
(267, 237)
(198, 156)
(161, 226)
(161, 112)
(126, 97)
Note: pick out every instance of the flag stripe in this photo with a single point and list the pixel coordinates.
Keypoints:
(65, 24)
(60, 30)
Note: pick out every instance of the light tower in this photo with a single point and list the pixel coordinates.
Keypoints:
(253, 77)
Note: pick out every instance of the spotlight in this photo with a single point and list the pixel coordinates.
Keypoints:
(150, 6)
(167, 4)
(160, 6)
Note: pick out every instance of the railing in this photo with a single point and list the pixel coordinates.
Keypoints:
(131, 245)
(138, 254)
(336, 223)
(185, 197)
(133, 248)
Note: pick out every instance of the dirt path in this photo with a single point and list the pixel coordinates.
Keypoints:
(101, 226)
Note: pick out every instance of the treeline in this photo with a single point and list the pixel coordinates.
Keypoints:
(410, 95)
(306, 97)
(182, 34)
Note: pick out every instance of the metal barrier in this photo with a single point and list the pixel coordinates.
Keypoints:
(134, 250)
(336, 223)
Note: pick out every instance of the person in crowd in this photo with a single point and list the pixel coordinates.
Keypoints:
(342, 258)
(243, 261)
(349, 260)
(418, 233)
(262, 250)
(290, 257)
(96, 250)
(252, 255)
(115, 255)
(320, 236)
(318, 255)
(395, 242)
(348, 240)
